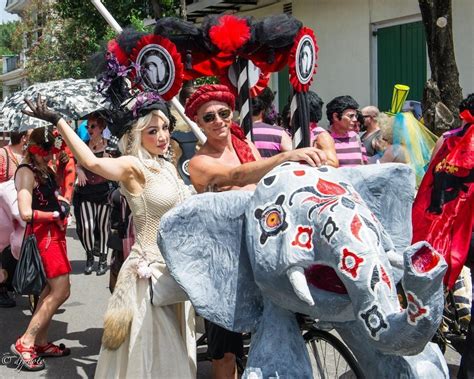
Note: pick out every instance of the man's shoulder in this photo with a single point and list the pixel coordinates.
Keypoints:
(202, 157)
(202, 154)
(205, 157)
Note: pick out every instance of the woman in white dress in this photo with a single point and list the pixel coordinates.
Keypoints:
(148, 330)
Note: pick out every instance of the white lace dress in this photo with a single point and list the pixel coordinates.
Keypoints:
(148, 329)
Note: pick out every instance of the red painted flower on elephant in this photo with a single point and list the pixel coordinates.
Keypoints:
(415, 309)
(350, 263)
(303, 238)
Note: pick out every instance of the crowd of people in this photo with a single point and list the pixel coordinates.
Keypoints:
(45, 164)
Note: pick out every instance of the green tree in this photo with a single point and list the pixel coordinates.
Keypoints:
(56, 48)
(7, 30)
(60, 38)
(124, 11)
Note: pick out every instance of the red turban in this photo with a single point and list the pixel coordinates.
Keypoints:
(206, 93)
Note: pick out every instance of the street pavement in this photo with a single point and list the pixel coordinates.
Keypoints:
(78, 324)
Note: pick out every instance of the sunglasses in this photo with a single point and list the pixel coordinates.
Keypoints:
(224, 114)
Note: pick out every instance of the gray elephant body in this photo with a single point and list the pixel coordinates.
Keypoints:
(317, 242)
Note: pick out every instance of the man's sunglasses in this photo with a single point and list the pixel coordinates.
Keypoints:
(224, 114)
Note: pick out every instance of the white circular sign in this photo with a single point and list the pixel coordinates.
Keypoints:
(305, 59)
(185, 167)
(157, 68)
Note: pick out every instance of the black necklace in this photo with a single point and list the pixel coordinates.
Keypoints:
(94, 147)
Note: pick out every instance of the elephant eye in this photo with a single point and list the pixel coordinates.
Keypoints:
(272, 220)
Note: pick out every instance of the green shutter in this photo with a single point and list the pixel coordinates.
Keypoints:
(401, 58)
(283, 88)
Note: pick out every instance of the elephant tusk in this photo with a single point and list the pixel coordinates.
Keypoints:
(300, 285)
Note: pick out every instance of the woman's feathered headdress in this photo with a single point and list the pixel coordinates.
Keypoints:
(122, 83)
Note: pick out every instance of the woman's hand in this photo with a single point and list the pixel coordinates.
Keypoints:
(63, 157)
(380, 145)
(41, 111)
(81, 178)
(62, 198)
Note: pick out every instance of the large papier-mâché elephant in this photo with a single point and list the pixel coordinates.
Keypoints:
(328, 243)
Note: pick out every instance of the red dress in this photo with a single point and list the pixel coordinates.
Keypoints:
(443, 211)
(51, 239)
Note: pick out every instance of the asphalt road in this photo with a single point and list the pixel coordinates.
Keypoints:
(78, 324)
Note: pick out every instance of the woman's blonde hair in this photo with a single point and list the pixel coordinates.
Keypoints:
(385, 123)
(131, 142)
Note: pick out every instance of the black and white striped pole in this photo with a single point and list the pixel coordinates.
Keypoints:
(299, 113)
(243, 90)
(302, 66)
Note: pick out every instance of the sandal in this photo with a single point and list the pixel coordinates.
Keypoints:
(31, 363)
(52, 350)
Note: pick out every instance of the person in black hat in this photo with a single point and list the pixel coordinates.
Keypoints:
(145, 311)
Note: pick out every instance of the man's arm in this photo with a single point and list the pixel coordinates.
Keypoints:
(325, 142)
(286, 143)
(205, 171)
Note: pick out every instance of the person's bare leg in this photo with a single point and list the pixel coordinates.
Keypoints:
(42, 296)
(37, 330)
(224, 368)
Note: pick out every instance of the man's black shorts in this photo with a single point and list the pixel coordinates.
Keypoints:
(220, 341)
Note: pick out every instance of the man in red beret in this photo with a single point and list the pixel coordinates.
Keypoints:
(229, 161)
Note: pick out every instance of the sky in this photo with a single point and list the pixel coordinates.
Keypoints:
(5, 16)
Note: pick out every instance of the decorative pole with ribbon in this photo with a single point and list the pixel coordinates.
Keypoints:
(243, 90)
(301, 67)
(299, 109)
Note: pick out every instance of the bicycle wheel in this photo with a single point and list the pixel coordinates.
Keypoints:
(330, 358)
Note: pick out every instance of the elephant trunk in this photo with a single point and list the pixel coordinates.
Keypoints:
(406, 331)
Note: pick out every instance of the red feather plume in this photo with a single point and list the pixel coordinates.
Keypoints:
(230, 34)
(121, 55)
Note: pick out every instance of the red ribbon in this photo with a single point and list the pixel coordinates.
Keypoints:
(37, 150)
(467, 116)
(241, 147)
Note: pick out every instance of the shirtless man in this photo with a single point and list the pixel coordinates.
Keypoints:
(228, 161)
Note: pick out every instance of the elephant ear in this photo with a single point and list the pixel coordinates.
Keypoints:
(204, 248)
(389, 190)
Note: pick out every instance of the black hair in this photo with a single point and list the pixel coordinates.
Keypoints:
(315, 107)
(339, 105)
(15, 137)
(285, 118)
(187, 90)
(98, 116)
(43, 138)
(262, 102)
(360, 117)
(467, 103)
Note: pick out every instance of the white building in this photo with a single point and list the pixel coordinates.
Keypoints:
(365, 46)
(13, 76)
